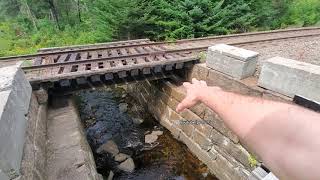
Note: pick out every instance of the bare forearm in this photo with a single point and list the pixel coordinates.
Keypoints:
(239, 112)
(277, 132)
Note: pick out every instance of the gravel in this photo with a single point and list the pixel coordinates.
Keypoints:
(305, 49)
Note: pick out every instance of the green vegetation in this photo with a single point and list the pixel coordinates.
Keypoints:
(253, 161)
(27, 25)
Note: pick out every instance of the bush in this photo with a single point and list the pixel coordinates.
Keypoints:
(303, 12)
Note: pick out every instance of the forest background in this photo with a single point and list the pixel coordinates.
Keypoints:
(27, 25)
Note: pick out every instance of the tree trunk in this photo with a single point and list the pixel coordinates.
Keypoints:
(54, 12)
(66, 8)
(79, 11)
(29, 14)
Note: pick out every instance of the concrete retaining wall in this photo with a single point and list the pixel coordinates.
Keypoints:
(34, 158)
(291, 78)
(15, 93)
(69, 155)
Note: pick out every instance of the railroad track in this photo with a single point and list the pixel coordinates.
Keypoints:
(96, 45)
(47, 55)
(131, 58)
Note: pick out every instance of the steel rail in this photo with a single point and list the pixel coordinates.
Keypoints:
(164, 52)
(115, 43)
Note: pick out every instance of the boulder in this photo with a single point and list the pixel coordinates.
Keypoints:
(111, 174)
(127, 165)
(157, 133)
(150, 138)
(121, 157)
(123, 107)
(137, 120)
(109, 147)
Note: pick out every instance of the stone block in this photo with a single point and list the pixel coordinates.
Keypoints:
(42, 96)
(12, 136)
(198, 71)
(204, 128)
(227, 83)
(218, 165)
(224, 169)
(178, 93)
(236, 62)
(201, 154)
(290, 77)
(160, 110)
(226, 147)
(175, 117)
(175, 131)
(12, 78)
(181, 123)
(202, 140)
(214, 120)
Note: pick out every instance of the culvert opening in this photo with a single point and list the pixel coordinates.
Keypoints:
(128, 143)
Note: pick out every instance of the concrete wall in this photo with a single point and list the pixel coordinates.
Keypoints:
(15, 93)
(27, 150)
(23, 118)
(69, 155)
(34, 158)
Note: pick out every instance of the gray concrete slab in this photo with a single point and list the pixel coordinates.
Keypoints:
(34, 150)
(290, 77)
(236, 62)
(3, 176)
(69, 155)
(12, 132)
(15, 94)
(12, 78)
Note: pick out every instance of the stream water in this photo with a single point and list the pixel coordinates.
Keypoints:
(111, 115)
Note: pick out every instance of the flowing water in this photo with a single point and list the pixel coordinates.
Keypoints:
(112, 115)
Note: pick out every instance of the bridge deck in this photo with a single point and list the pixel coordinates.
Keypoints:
(106, 69)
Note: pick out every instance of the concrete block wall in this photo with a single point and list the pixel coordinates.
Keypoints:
(15, 94)
(247, 86)
(236, 62)
(199, 128)
(291, 77)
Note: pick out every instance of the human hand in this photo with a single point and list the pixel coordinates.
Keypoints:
(194, 92)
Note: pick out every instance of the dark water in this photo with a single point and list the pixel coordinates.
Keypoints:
(165, 159)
